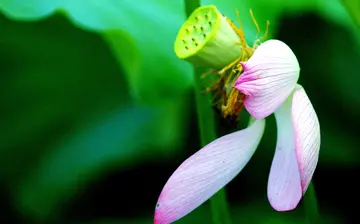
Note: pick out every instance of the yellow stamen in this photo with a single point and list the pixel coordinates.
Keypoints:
(266, 31)
(234, 104)
(238, 19)
(230, 65)
(245, 47)
(240, 33)
(206, 74)
(254, 20)
(228, 99)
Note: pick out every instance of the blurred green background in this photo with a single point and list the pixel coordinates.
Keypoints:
(97, 111)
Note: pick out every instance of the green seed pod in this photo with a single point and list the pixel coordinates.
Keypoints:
(207, 39)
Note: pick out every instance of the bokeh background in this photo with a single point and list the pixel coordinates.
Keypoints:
(97, 111)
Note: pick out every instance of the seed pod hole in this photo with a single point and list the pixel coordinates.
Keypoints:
(196, 31)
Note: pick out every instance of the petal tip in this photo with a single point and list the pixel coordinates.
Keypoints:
(157, 217)
(161, 216)
(284, 185)
(163, 210)
(284, 205)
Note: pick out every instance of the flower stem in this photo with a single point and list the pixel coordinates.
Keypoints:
(311, 207)
(190, 6)
(218, 203)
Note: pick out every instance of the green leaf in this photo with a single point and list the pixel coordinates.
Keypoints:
(54, 78)
(141, 35)
(151, 25)
(170, 125)
(30, 10)
(127, 54)
(67, 114)
(353, 7)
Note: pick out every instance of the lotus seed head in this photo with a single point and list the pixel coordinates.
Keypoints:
(197, 31)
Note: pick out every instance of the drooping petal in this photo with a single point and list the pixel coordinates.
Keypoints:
(269, 77)
(307, 135)
(297, 150)
(284, 185)
(207, 171)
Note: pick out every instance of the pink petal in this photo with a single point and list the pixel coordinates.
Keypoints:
(307, 135)
(207, 171)
(297, 150)
(284, 185)
(269, 77)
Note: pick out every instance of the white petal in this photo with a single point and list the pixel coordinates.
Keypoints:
(207, 171)
(297, 150)
(269, 77)
(284, 185)
(307, 135)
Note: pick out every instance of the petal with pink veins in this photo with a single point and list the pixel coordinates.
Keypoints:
(269, 77)
(206, 172)
(297, 151)
(307, 135)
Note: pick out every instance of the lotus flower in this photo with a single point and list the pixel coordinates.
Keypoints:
(269, 82)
